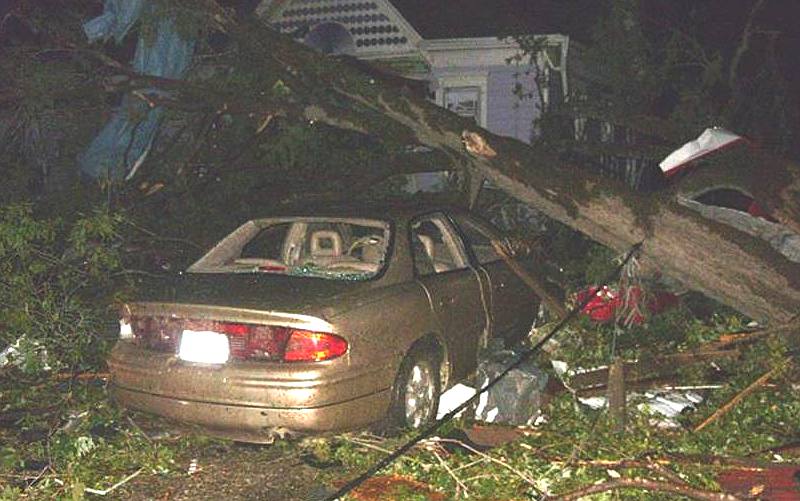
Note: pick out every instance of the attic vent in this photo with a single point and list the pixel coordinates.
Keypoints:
(372, 27)
(331, 38)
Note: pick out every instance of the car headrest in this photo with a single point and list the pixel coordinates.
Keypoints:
(427, 242)
(326, 243)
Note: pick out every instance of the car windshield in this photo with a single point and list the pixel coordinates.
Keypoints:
(331, 248)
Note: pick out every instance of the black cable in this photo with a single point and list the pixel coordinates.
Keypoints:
(522, 357)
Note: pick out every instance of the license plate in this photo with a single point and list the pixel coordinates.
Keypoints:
(205, 347)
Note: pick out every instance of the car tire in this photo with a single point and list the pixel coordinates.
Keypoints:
(416, 391)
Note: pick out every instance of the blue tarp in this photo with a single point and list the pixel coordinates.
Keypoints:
(126, 139)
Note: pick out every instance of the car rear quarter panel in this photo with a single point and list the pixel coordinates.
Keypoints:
(383, 327)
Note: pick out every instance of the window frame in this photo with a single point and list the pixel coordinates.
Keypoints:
(483, 229)
(449, 232)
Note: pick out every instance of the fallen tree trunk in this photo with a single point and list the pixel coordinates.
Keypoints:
(724, 263)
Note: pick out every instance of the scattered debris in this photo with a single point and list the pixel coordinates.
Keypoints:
(393, 487)
(774, 483)
(669, 405)
(74, 419)
(666, 402)
(516, 399)
(711, 140)
(23, 352)
(454, 397)
(105, 492)
(605, 304)
(193, 467)
(8, 355)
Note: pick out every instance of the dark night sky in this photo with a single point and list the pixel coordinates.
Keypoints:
(475, 18)
(722, 20)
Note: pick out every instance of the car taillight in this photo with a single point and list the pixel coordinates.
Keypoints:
(254, 342)
(245, 341)
(265, 342)
(307, 346)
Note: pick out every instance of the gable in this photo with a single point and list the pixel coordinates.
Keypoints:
(363, 28)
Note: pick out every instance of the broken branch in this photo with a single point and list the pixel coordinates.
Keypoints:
(742, 395)
(649, 485)
(452, 474)
(536, 285)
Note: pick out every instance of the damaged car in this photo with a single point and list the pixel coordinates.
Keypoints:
(321, 320)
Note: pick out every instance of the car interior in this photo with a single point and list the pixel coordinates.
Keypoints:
(329, 248)
(434, 247)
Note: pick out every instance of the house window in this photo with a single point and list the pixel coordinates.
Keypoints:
(465, 101)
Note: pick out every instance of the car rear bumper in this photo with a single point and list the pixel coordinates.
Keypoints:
(251, 401)
(258, 424)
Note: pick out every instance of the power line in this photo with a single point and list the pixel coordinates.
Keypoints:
(521, 358)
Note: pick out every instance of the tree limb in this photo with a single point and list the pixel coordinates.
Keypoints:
(742, 395)
(646, 484)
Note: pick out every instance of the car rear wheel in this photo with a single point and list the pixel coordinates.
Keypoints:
(415, 396)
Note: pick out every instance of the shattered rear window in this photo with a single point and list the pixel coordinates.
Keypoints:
(330, 248)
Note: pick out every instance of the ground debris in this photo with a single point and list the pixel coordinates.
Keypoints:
(385, 487)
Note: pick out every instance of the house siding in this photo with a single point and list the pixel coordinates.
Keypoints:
(507, 114)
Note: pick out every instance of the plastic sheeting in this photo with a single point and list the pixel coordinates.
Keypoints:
(123, 144)
(515, 399)
(117, 18)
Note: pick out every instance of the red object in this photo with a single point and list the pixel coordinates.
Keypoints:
(247, 341)
(605, 302)
(778, 483)
(273, 267)
(755, 210)
(307, 346)
(254, 342)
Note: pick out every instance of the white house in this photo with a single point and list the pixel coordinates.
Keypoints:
(448, 43)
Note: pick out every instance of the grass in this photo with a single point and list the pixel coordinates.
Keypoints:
(60, 438)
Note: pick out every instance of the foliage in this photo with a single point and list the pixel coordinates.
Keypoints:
(58, 286)
(577, 446)
(644, 60)
(53, 453)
